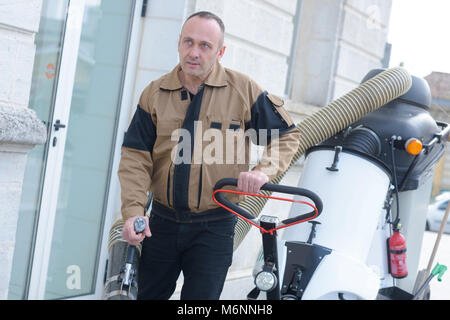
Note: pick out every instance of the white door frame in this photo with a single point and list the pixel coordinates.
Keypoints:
(113, 203)
(52, 175)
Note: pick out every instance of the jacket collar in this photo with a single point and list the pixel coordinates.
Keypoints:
(217, 78)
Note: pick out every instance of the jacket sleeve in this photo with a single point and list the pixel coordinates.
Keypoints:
(136, 164)
(275, 129)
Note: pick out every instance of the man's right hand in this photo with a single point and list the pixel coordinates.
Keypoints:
(129, 234)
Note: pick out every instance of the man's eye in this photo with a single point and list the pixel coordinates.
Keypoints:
(188, 42)
(205, 45)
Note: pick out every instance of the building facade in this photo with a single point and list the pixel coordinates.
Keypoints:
(439, 83)
(73, 71)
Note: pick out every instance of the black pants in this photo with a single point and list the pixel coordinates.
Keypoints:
(202, 250)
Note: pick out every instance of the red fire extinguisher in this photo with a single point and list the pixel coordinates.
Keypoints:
(397, 254)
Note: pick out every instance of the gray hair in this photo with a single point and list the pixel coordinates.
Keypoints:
(209, 15)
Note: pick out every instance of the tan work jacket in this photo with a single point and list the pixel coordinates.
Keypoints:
(228, 103)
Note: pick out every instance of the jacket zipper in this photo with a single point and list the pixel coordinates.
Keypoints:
(200, 187)
(168, 185)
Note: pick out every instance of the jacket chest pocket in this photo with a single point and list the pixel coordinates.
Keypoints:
(221, 140)
(167, 136)
(167, 127)
(224, 124)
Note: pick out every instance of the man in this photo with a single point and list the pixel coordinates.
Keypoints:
(187, 231)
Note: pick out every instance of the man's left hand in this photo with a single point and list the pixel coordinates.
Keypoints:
(252, 181)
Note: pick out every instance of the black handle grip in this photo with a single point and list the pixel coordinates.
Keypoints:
(445, 130)
(130, 254)
(139, 226)
(273, 188)
(58, 125)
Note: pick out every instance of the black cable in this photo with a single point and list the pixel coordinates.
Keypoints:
(410, 169)
(397, 218)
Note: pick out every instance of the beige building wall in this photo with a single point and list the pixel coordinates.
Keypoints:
(339, 42)
(439, 83)
(20, 129)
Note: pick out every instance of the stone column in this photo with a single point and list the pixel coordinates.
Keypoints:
(20, 128)
(339, 42)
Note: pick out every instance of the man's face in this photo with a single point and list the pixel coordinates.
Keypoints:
(200, 46)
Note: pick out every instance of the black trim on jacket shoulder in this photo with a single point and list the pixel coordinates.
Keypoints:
(141, 134)
(265, 116)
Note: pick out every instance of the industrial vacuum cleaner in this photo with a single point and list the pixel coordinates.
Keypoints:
(356, 225)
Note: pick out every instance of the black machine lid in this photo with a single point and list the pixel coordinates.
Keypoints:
(419, 94)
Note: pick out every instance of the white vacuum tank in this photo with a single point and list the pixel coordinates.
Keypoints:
(354, 194)
(358, 173)
(353, 214)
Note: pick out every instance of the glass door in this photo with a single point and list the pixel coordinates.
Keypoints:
(73, 196)
(46, 68)
(94, 111)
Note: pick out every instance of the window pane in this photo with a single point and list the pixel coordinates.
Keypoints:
(48, 42)
(89, 146)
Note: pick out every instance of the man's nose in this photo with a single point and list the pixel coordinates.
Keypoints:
(194, 52)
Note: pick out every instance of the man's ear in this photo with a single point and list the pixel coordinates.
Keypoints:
(221, 52)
